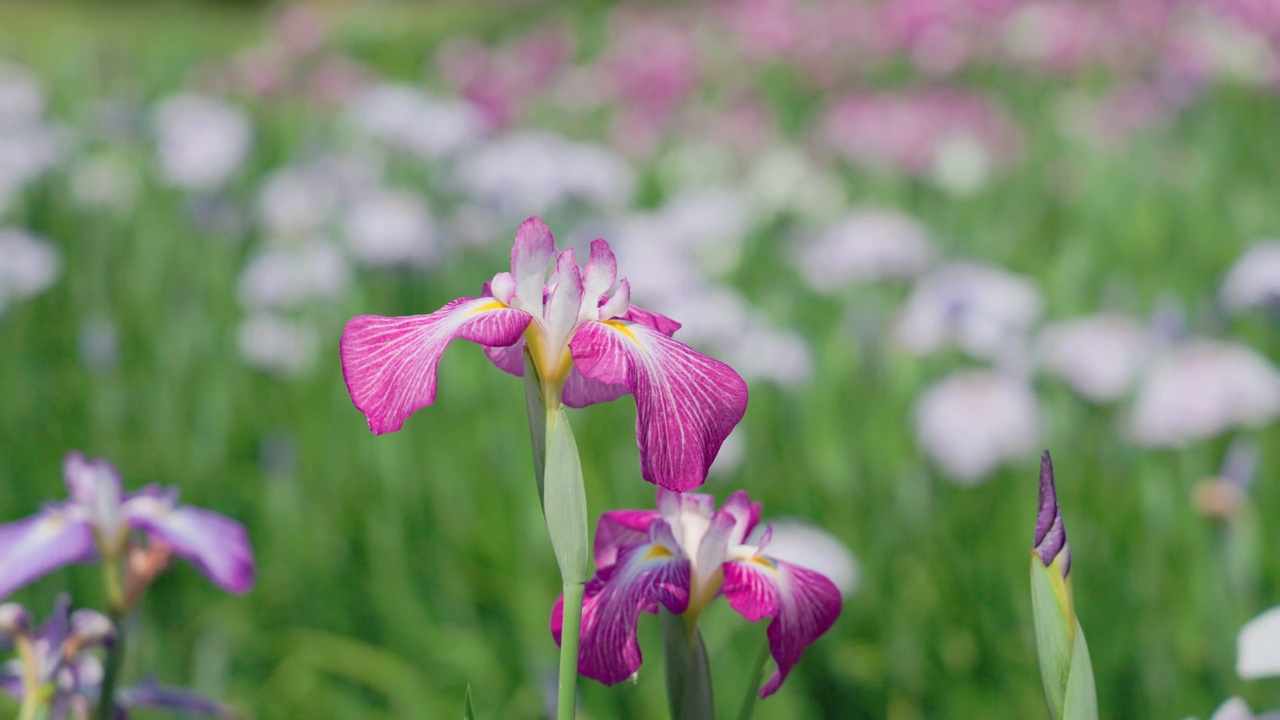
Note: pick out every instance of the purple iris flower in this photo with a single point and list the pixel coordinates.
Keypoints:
(683, 555)
(587, 347)
(56, 662)
(96, 523)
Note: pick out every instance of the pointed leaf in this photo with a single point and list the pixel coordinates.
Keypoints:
(468, 710)
(537, 412)
(1053, 637)
(1082, 696)
(565, 500)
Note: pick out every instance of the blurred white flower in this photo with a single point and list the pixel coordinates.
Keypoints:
(202, 141)
(28, 265)
(784, 179)
(984, 310)
(99, 345)
(526, 173)
(706, 226)
(277, 344)
(1254, 279)
(392, 227)
(1099, 356)
(961, 164)
(1258, 646)
(407, 119)
(287, 276)
(297, 200)
(105, 181)
(867, 244)
(761, 351)
(1233, 709)
(21, 97)
(973, 421)
(809, 546)
(1200, 389)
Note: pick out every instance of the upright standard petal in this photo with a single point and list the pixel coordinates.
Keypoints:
(530, 253)
(95, 485)
(36, 546)
(645, 574)
(217, 545)
(390, 363)
(803, 604)
(686, 402)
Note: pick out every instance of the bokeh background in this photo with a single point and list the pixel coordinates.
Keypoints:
(936, 236)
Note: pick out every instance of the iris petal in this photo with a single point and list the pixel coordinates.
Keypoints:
(686, 402)
(530, 253)
(390, 363)
(803, 604)
(36, 546)
(217, 545)
(619, 529)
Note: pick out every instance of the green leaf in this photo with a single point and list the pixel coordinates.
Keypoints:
(688, 672)
(1081, 696)
(536, 409)
(1053, 638)
(565, 499)
(468, 710)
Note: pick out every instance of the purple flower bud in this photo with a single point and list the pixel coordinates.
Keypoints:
(1051, 533)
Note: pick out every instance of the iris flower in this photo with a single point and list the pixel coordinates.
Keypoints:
(96, 523)
(586, 346)
(684, 555)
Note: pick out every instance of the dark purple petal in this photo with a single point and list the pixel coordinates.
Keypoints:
(36, 546)
(390, 362)
(686, 402)
(217, 545)
(644, 575)
(150, 694)
(1051, 533)
(804, 604)
(530, 253)
(619, 529)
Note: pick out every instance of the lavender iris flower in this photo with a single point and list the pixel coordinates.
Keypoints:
(95, 524)
(684, 555)
(56, 661)
(587, 347)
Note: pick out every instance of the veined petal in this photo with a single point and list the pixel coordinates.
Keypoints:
(95, 485)
(746, 515)
(530, 253)
(581, 391)
(648, 318)
(612, 307)
(36, 546)
(645, 574)
(686, 402)
(509, 359)
(217, 545)
(619, 529)
(565, 300)
(598, 277)
(803, 604)
(390, 363)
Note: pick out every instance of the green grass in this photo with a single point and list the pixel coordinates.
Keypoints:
(395, 571)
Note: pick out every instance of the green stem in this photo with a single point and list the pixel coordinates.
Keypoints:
(32, 697)
(567, 703)
(688, 672)
(111, 674)
(753, 683)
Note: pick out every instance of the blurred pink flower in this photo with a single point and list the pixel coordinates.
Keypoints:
(974, 421)
(1254, 280)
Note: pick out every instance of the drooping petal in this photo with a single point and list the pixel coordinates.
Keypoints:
(648, 318)
(803, 604)
(619, 529)
(36, 546)
(217, 545)
(95, 485)
(530, 253)
(150, 694)
(390, 363)
(645, 574)
(581, 391)
(599, 275)
(686, 402)
(508, 359)
(1258, 651)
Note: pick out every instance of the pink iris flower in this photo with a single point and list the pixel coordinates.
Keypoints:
(586, 346)
(684, 555)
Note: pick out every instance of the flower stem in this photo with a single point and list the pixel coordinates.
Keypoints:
(689, 694)
(111, 673)
(32, 698)
(567, 701)
(753, 684)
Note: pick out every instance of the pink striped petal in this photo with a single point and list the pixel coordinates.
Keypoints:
(686, 402)
(746, 515)
(620, 529)
(648, 318)
(390, 362)
(581, 391)
(530, 253)
(599, 275)
(217, 545)
(36, 546)
(564, 301)
(803, 604)
(508, 359)
(644, 575)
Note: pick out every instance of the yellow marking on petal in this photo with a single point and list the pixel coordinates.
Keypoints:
(622, 328)
(761, 560)
(658, 552)
(494, 305)
(1062, 589)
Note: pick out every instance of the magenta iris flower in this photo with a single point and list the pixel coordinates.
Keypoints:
(96, 523)
(684, 555)
(587, 347)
